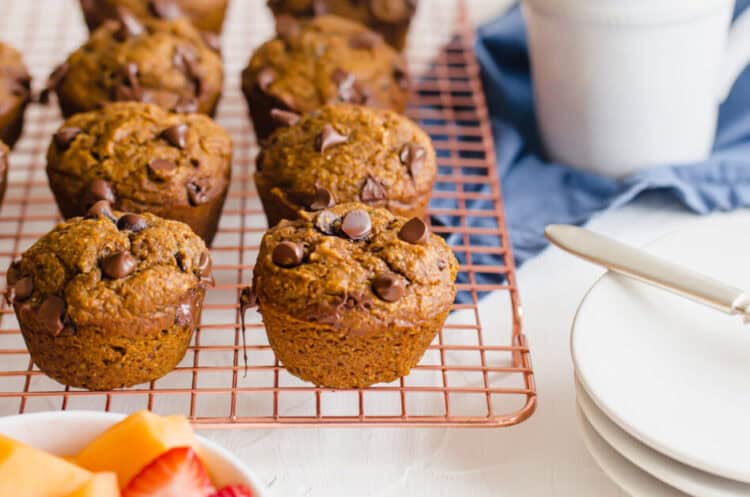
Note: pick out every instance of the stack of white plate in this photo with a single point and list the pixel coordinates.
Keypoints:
(663, 384)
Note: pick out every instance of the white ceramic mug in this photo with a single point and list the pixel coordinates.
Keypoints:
(621, 85)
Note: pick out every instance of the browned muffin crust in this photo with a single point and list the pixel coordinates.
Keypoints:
(353, 296)
(346, 153)
(206, 15)
(167, 63)
(390, 18)
(142, 158)
(15, 93)
(324, 60)
(112, 299)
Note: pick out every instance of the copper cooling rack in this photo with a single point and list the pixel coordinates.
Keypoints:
(476, 373)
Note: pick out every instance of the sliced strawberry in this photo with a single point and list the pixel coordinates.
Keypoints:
(176, 473)
(234, 491)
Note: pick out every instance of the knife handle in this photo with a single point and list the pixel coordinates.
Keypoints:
(648, 268)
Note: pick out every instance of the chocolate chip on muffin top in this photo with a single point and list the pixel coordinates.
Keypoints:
(346, 153)
(166, 62)
(123, 269)
(352, 259)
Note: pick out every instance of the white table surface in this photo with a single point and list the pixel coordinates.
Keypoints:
(542, 457)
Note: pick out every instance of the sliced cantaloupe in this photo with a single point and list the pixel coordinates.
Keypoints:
(131, 444)
(100, 485)
(29, 472)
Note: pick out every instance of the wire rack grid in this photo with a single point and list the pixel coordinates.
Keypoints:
(477, 372)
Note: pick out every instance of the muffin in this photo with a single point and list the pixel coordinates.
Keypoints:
(141, 158)
(3, 170)
(110, 300)
(167, 63)
(15, 93)
(324, 60)
(346, 153)
(389, 18)
(206, 15)
(354, 295)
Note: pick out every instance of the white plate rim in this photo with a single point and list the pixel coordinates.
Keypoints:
(690, 480)
(703, 465)
(110, 417)
(614, 465)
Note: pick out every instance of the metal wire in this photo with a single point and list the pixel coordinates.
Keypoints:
(470, 376)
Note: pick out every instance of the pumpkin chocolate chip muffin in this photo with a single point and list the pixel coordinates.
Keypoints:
(324, 60)
(110, 300)
(206, 15)
(389, 18)
(15, 92)
(346, 153)
(141, 158)
(167, 63)
(354, 295)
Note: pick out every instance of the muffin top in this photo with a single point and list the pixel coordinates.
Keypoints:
(378, 14)
(354, 267)
(125, 270)
(138, 155)
(202, 13)
(15, 82)
(166, 62)
(355, 153)
(325, 60)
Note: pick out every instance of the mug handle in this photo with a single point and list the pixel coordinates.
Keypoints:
(737, 55)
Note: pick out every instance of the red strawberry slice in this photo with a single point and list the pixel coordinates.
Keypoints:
(176, 473)
(234, 491)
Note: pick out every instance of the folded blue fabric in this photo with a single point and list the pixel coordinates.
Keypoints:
(537, 193)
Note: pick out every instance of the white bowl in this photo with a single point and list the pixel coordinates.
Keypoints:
(67, 432)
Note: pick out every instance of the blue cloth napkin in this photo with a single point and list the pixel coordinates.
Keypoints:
(537, 193)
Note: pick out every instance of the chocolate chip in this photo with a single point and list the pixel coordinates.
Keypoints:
(132, 222)
(388, 287)
(284, 117)
(326, 222)
(401, 77)
(23, 288)
(118, 265)
(356, 224)
(186, 105)
(287, 27)
(390, 11)
(205, 266)
(165, 9)
(365, 40)
(412, 156)
(53, 81)
(349, 89)
(197, 192)
(321, 199)
(372, 190)
(442, 264)
(212, 41)
(130, 89)
(161, 167)
(101, 208)
(414, 231)
(265, 78)
(176, 135)
(99, 189)
(287, 254)
(50, 314)
(327, 138)
(65, 136)
(130, 26)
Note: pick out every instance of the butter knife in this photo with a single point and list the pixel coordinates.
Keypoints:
(641, 265)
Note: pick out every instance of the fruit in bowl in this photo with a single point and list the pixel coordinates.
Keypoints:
(143, 455)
